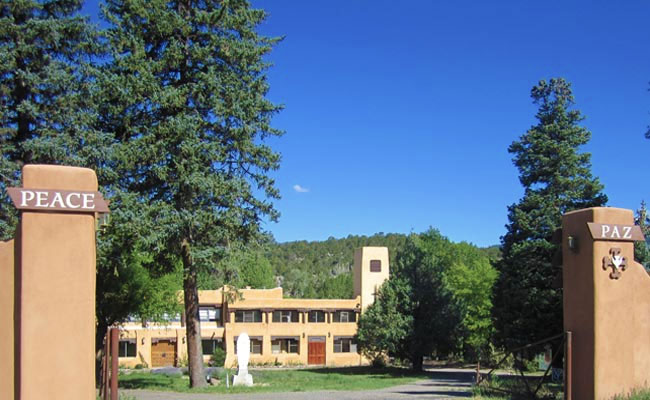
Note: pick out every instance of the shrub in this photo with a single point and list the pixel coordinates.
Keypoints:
(379, 361)
(218, 358)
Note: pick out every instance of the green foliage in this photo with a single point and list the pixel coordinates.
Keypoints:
(387, 323)
(129, 281)
(437, 301)
(185, 93)
(323, 269)
(218, 358)
(557, 179)
(470, 279)
(642, 249)
(47, 108)
(338, 287)
(637, 394)
(240, 268)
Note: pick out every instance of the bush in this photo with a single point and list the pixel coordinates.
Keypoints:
(218, 358)
(379, 361)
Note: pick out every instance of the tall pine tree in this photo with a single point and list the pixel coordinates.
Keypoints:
(557, 179)
(46, 107)
(185, 95)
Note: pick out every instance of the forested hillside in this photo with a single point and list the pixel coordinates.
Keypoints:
(324, 269)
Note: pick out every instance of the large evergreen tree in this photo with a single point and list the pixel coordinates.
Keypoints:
(185, 95)
(556, 177)
(46, 107)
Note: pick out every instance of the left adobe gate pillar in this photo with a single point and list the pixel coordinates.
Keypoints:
(54, 311)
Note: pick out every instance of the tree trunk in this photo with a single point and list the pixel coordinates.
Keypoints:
(417, 363)
(192, 322)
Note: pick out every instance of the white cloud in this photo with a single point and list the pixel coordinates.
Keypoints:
(300, 189)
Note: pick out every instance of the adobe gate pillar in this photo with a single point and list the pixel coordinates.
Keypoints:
(54, 312)
(606, 303)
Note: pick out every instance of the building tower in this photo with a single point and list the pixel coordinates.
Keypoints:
(371, 268)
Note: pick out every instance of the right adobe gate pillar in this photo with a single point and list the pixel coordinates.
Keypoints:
(606, 303)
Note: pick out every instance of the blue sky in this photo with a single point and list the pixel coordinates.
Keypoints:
(398, 115)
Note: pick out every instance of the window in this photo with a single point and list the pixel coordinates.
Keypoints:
(285, 316)
(375, 265)
(127, 348)
(210, 345)
(171, 317)
(210, 314)
(345, 316)
(344, 345)
(248, 316)
(256, 346)
(284, 346)
(316, 316)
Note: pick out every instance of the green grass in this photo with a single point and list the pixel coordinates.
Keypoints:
(352, 378)
(636, 395)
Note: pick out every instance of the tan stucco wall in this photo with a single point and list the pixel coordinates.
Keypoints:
(302, 330)
(57, 278)
(7, 320)
(143, 337)
(609, 318)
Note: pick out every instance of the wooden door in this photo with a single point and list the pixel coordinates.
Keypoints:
(163, 354)
(316, 351)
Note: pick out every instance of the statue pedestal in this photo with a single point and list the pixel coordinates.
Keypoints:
(243, 378)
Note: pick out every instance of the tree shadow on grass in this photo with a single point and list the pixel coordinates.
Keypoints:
(386, 372)
(147, 382)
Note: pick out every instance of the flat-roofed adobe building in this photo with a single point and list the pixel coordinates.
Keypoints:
(281, 330)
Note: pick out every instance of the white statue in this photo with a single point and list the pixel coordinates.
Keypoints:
(243, 355)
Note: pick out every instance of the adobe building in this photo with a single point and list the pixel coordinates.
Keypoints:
(282, 330)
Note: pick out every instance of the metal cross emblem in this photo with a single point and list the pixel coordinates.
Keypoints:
(616, 262)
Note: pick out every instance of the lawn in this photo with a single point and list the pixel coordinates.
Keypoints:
(352, 378)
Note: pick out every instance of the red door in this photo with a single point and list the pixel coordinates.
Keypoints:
(316, 351)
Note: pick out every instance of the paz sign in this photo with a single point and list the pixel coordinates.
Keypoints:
(57, 200)
(625, 233)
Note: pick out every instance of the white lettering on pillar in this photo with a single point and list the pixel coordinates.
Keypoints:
(627, 232)
(616, 233)
(68, 200)
(88, 199)
(604, 230)
(41, 197)
(57, 199)
(26, 195)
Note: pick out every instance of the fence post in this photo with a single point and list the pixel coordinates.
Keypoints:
(115, 341)
(567, 366)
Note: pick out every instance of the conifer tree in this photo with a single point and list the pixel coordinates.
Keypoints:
(556, 177)
(641, 250)
(185, 95)
(46, 110)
